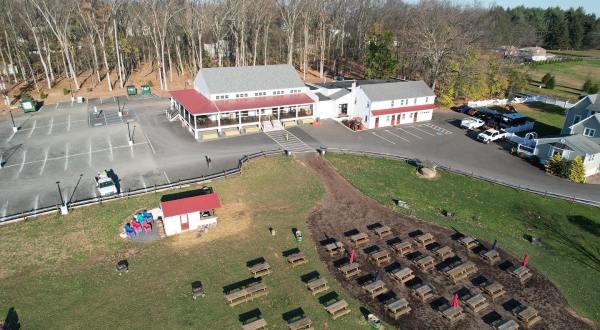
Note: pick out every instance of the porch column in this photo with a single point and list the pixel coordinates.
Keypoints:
(195, 124)
(239, 119)
(296, 108)
(218, 121)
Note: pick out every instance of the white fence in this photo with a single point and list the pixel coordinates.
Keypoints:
(486, 103)
(524, 99)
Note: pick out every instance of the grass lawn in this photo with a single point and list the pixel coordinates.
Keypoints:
(58, 272)
(570, 77)
(548, 118)
(569, 255)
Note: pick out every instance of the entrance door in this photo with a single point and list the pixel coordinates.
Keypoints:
(185, 224)
(376, 122)
(415, 117)
(393, 122)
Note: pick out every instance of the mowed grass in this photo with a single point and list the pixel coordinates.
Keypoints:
(569, 255)
(59, 272)
(548, 118)
(570, 77)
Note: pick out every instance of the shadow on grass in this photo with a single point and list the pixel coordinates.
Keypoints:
(310, 276)
(293, 315)
(241, 284)
(329, 298)
(12, 322)
(585, 223)
(250, 316)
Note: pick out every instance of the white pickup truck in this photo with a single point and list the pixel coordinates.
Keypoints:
(105, 184)
(471, 123)
(491, 135)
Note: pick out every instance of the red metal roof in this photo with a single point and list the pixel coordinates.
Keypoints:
(190, 204)
(194, 102)
(403, 109)
(263, 102)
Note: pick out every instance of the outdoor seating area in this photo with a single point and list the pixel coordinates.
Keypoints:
(397, 308)
(444, 252)
(425, 239)
(257, 324)
(468, 242)
(402, 275)
(359, 239)
(337, 309)
(297, 259)
(461, 272)
(503, 324)
(492, 256)
(493, 289)
(246, 294)
(375, 288)
(140, 224)
(425, 263)
(382, 231)
(303, 323)
(522, 273)
(335, 248)
(402, 248)
(476, 303)
(452, 314)
(423, 292)
(528, 315)
(260, 270)
(380, 258)
(317, 286)
(350, 270)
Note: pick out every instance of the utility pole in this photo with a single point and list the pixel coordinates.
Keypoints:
(129, 135)
(63, 205)
(14, 128)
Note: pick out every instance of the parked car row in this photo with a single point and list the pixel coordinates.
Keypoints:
(497, 125)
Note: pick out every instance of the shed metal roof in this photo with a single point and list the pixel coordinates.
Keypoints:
(185, 205)
(397, 90)
(194, 102)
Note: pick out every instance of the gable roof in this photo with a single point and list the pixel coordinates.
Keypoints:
(247, 78)
(595, 116)
(397, 90)
(194, 102)
(194, 201)
(583, 144)
(589, 102)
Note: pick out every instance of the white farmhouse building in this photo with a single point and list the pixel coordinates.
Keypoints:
(247, 99)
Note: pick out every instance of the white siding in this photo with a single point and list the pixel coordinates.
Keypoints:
(172, 224)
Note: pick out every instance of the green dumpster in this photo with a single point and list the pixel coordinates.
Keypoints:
(146, 90)
(131, 90)
(28, 104)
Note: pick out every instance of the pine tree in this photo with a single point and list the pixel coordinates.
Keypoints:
(577, 170)
(587, 85)
(546, 77)
(378, 59)
(551, 83)
(552, 165)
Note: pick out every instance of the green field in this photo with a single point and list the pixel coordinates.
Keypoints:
(569, 255)
(58, 272)
(548, 118)
(570, 77)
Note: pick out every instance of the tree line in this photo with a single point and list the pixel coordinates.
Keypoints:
(44, 41)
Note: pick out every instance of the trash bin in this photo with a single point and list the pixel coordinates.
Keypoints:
(146, 90)
(28, 104)
(131, 90)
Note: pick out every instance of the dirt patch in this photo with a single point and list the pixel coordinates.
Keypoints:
(345, 209)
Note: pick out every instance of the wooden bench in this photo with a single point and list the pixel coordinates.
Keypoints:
(444, 252)
(375, 288)
(257, 324)
(318, 285)
(381, 257)
(231, 132)
(403, 248)
(453, 314)
(297, 259)
(335, 248)
(468, 242)
(289, 123)
(360, 239)
(402, 275)
(251, 129)
(246, 294)
(425, 239)
(528, 315)
(493, 289)
(461, 272)
(476, 303)
(521, 272)
(302, 324)
(383, 231)
(337, 309)
(492, 257)
(350, 270)
(503, 324)
(397, 308)
(425, 263)
(260, 270)
(423, 292)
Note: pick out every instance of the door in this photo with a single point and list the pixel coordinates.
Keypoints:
(376, 122)
(393, 122)
(414, 115)
(398, 119)
(185, 224)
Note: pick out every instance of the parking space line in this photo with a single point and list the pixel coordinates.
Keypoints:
(418, 129)
(22, 162)
(44, 162)
(381, 137)
(51, 125)
(11, 136)
(144, 183)
(4, 208)
(407, 132)
(36, 202)
(112, 157)
(68, 122)
(167, 177)
(32, 128)
(398, 136)
(90, 154)
(150, 143)
(66, 155)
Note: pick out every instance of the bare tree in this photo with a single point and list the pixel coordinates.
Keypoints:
(290, 10)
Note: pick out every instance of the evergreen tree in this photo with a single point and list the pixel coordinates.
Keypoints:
(587, 85)
(378, 59)
(577, 170)
(557, 33)
(551, 83)
(576, 20)
(552, 165)
(546, 77)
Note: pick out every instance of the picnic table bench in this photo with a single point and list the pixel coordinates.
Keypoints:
(503, 324)
(423, 292)
(444, 252)
(380, 257)
(335, 248)
(461, 272)
(375, 288)
(246, 294)
(302, 324)
(402, 248)
(493, 289)
(350, 270)
(425, 239)
(382, 231)
(337, 309)
(425, 263)
(528, 315)
(402, 275)
(398, 308)
(318, 285)
(260, 270)
(476, 303)
(257, 324)
(360, 239)
(491, 256)
(468, 242)
(452, 314)
(521, 272)
(297, 259)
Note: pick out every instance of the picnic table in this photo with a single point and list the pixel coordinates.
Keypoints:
(360, 239)
(380, 257)
(350, 270)
(302, 324)
(453, 314)
(335, 248)
(403, 248)
(425, 239)
(257, 324)
(337, 309)
(382, 231)
(402, 275)
(493, 289)
(297, 259)
(461, 272)
(245, 294)
(397, 308)
(375, 288)
(425, 263)
(503, 324)
(444, 252)
(476, 303)
(491, 256)
(468, 242)
(423, 292)
(521, 272)
(261, 269)
(527, 315)
(318, 285)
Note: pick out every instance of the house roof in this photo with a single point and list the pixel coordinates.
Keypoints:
(590, 102)
(592, 117)
(198, 200)
(397, 90)
(338, 94)
(580, 143)
(194, 102)
(402, 109)
(248, 78)
(262, 102)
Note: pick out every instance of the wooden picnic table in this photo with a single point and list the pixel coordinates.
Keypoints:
(493, 289)
(402, 275)
(453, 314)
(297, 259)
(476, 303)
(360, 239)
(335, 248)
(337, 309)
(375, 288)
(246, 294)
(461, 272)
(318, 285)
(350, 270)
(503, 324)
(444, 252)
(425, 239)
(302, 324)
(425, 263)
(468, 242)
(491, 256)
(423, 292)
(527, 315)
(261, 269)
(402, 248)
(257, 324)
(398, 308)
(380, 257)
(521, 272)
(383, 231)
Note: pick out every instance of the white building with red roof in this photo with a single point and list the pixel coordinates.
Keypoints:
(189, 210)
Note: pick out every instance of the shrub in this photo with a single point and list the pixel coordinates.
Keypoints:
(43, 95)
(66, 91)
(546, 77)
(150, 83)
(553, 165)
(594, 89)
(576, 172)
(587, 85)
(550, 83)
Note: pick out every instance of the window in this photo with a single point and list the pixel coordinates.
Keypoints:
(410, 115)
(591, 158)
(589, 132)
(388, 118)
(392, 103)
(403, 116)
(576, 119)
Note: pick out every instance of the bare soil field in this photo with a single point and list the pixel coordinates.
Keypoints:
(345, 210)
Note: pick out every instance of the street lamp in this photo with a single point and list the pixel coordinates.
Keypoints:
(129, 135)
(15, 128)
(62, 202)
